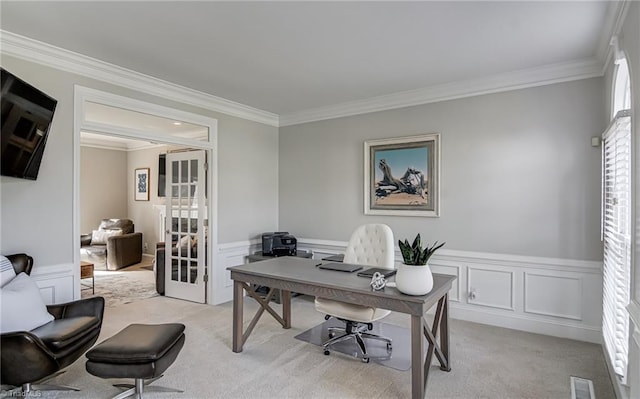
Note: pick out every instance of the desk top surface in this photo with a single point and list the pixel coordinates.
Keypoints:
(305, 271)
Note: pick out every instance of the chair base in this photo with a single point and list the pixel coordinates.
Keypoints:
(357, 331)
(136, 390)
(26, 389)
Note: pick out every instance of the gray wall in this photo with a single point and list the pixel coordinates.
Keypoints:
(518, 176)
(103, 191)
(37, 216)
(248, 198)
(143, 214)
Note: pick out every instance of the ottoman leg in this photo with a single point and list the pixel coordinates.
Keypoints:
(139, 387)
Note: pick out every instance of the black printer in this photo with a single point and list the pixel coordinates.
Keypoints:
(279, 243)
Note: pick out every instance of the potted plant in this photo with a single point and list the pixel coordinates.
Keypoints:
(414, 275)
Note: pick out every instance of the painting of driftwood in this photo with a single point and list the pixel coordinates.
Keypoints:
(402, 176)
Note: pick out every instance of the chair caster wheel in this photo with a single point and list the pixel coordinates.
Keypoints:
(331, 335)
(365, 360)
(327, 352)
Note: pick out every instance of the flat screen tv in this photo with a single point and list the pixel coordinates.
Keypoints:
(26, 117)
(162, 174)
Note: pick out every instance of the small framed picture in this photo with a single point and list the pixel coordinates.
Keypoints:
(402, 176)
(141, 181)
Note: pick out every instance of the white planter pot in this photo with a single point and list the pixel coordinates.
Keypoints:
(414, 280)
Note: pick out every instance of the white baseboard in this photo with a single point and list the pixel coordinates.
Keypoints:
(528, 324)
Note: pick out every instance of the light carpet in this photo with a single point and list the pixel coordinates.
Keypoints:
(487, 362)
(123, 286)
(399, 357)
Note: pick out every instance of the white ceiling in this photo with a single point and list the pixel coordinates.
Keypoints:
(290, 57)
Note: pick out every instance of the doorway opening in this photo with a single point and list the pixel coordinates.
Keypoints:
(122, 268)
(145, 135)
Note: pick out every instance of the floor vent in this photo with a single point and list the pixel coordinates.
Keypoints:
(581, 388)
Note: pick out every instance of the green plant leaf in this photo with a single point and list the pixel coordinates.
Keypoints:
(414, 254)
(417, 244)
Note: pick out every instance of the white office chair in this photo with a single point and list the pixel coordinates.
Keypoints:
(370, 245)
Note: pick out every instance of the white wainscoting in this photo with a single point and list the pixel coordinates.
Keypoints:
(231, 254)
(490, 287)
(558, 297)
(56, 282)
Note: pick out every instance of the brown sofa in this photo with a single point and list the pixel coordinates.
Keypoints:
(113, 246)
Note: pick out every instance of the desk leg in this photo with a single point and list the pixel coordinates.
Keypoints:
(444, 334)
(285, 296)
(238, 299)
(417, 358)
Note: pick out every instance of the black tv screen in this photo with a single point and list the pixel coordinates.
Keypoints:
(162, 174)
(26, 117)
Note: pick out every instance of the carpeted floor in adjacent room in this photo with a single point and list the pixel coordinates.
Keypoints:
(123, 286)
(487, 362)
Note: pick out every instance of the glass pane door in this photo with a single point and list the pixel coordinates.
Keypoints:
(186, 230)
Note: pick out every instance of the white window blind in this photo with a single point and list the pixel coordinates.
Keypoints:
(616, 212)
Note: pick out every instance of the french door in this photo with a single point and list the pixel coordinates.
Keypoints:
(186, 226)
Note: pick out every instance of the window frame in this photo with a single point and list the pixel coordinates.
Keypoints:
(618, 162)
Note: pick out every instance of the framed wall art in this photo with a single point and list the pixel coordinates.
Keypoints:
(402, 176)
(141, 181)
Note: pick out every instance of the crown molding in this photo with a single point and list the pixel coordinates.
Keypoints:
(114, 143)
(540, 76)
(582, 69)
(42, 53)
(102, 145)
(105, 145)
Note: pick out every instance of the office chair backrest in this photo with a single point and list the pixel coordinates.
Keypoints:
(371, 245)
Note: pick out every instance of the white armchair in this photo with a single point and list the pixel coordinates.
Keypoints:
(370, 245)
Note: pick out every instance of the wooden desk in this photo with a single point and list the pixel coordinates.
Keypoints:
(258, 257)
(301, 275)
(86, 271)
(264, 291)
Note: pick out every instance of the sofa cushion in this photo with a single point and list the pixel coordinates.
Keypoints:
(94, 250)
(126, 225)
(100, 237)
(22, 307)
(184, 242)
(62, 332)
(7, 272)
